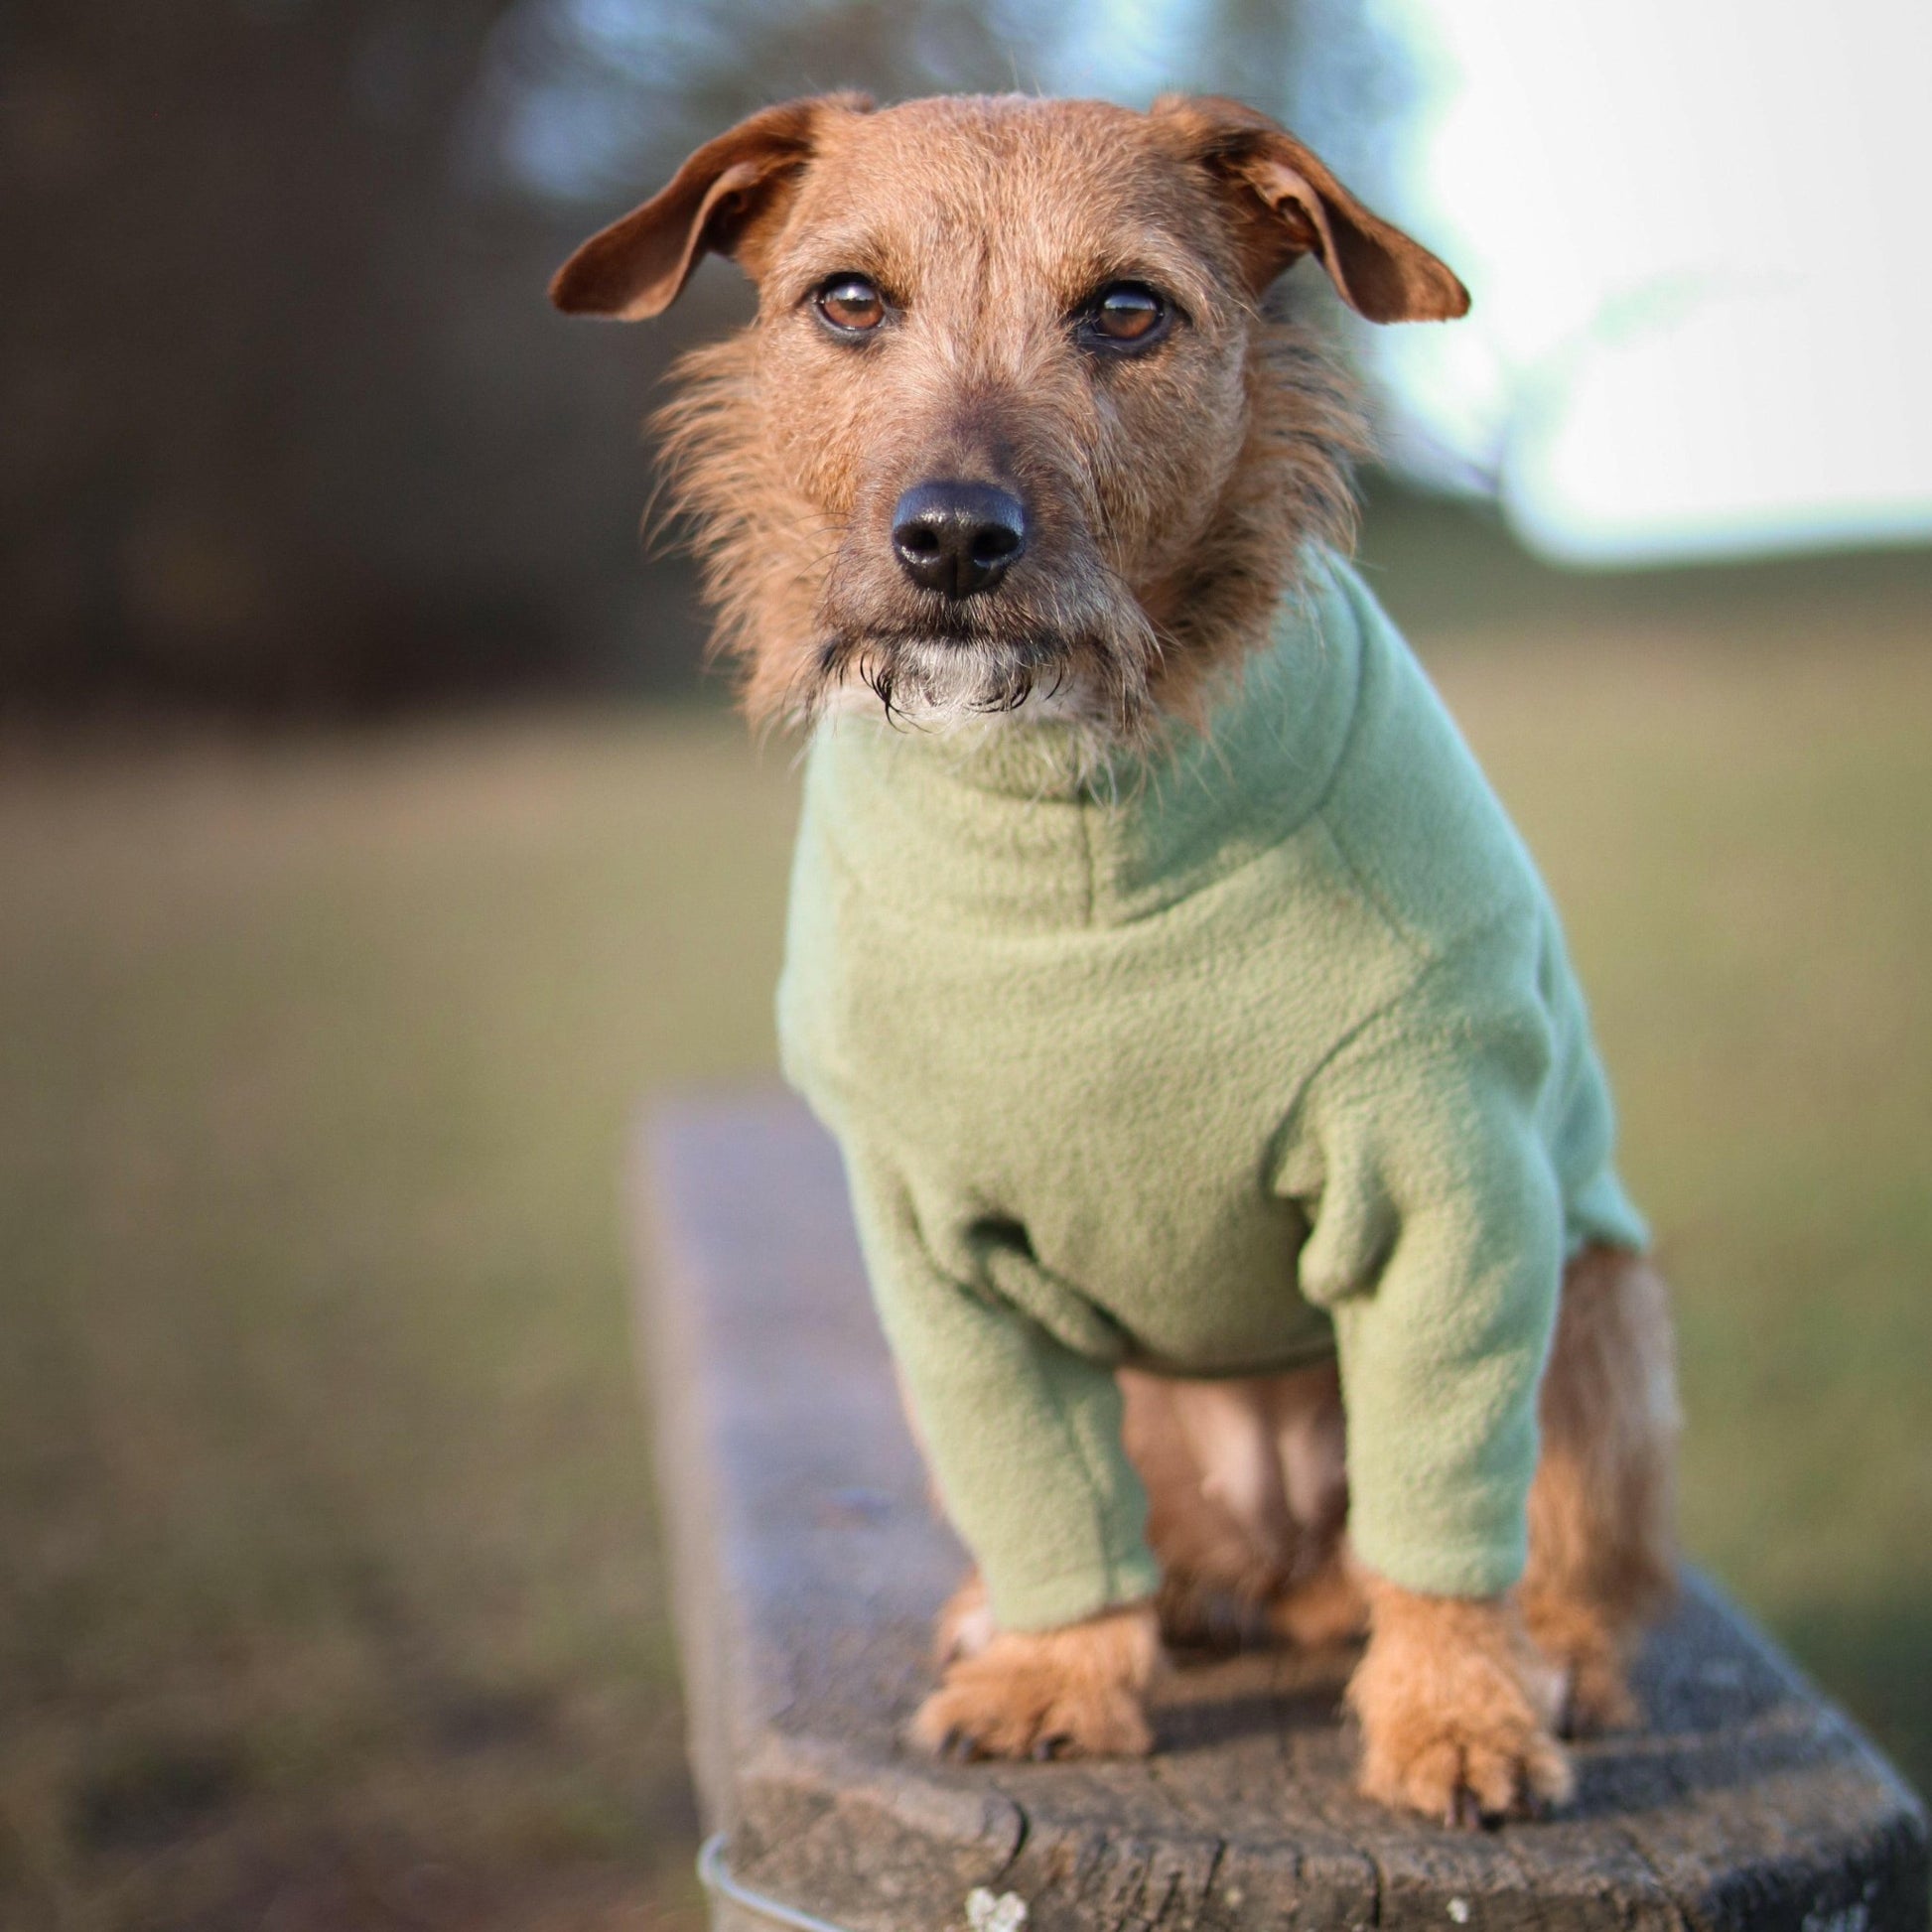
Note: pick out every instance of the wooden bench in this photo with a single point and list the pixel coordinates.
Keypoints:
(808, 1566)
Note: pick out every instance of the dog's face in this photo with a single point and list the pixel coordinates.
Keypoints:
(1001, 370)
(1006, 422)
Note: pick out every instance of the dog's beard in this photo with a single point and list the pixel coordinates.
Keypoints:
(942, 682)
(1063, 636)
(1097, 679)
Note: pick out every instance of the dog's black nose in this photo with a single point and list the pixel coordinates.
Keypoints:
(957, 537)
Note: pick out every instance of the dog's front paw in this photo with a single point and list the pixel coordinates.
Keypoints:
(1075, 1692)
(1456, 1711)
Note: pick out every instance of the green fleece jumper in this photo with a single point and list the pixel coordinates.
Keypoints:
(1217, 1061)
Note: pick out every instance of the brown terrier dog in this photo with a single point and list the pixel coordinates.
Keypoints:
(1087, 444)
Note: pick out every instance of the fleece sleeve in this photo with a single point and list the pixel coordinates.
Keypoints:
(1023, 1434)
(1437, 1245)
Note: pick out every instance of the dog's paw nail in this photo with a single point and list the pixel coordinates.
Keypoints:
(1463, 1814)
(957, 1746)
(1056, 1746)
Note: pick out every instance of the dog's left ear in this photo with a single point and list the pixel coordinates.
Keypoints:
(637, 266)
(1285, 205)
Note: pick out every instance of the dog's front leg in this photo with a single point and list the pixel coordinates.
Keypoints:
(1456, 1708)
(1074, 1692)
(1021, 1423)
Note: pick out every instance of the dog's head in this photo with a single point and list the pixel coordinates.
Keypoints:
(1009, 421)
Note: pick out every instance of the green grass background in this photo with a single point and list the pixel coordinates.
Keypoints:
(330, 1592)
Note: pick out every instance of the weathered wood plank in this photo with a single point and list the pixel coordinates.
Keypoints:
(809, 1567)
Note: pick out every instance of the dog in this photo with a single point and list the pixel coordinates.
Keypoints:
(1228, 1150)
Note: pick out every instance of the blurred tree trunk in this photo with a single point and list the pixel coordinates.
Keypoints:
(282, 418)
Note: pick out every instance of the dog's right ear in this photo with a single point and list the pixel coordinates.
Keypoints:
(637, 266)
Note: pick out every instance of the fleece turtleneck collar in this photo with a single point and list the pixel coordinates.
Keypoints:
(1014, 821)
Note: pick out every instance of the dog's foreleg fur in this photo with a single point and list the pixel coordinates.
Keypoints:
(1602, 1557)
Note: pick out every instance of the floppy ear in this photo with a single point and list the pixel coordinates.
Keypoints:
(1286, 205)
(637, 267)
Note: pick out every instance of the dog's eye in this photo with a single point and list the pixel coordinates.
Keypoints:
(1127, 315)
(851, 304)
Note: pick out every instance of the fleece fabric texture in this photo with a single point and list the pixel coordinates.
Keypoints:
(1214, 1061)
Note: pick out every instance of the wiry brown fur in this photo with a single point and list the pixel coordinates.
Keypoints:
(1246, 1504)
(1169, 503)
(1601, 1554)
(1168, 500)
(766, 549)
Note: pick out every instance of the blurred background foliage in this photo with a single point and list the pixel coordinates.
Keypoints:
(365, 858)
(285, 427)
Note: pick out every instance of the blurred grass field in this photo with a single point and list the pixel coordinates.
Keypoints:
(329, 1587)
